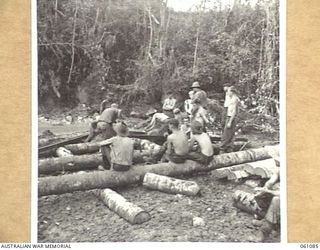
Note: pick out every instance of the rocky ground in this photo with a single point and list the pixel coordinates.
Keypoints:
(82, 216)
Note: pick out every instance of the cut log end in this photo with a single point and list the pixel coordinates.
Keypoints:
(141, 217)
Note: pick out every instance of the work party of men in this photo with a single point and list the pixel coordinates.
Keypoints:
(185, 128)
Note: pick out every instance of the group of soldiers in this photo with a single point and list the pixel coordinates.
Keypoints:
(185, 130)
(186, 138)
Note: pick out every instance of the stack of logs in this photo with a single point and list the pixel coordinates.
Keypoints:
(234, 166)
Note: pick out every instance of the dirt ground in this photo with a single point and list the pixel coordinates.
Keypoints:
(82, 216)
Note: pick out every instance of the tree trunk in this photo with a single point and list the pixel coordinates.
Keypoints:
(77, 163)
(266, 172)
(246, 202)
(250, 167)
(170, 185)
(108, 179)
(69, 163)
(83, 148)
(125, 209)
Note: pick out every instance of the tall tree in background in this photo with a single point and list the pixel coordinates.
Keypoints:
(135, 51)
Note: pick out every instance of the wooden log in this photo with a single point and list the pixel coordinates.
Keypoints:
(237, 175)
(108, 179)
(69, 163)
(266, 172)
(170, 185)
(246, 202)
(223, 172)
(63, 152)
(83, 148)
(78, 162)
(125, 209)
(250, 167)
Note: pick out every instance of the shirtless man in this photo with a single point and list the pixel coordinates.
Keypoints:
(115, 154)
(176, 148)
(204, 153)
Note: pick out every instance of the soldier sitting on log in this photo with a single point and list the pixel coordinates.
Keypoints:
(204, 150)
(176, 147)
(104, 125)
(271, 220)
(118, 151)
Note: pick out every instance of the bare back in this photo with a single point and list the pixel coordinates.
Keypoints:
(204, 143)
(179, 142)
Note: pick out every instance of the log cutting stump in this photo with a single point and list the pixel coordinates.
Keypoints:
(125, 209)
(170, 185)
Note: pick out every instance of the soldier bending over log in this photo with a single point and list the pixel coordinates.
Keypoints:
(104, 124)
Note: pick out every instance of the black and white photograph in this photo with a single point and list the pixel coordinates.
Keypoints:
(159, 121)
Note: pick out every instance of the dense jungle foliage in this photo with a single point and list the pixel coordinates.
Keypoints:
(135, 51)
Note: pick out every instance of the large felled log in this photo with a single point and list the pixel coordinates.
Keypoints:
(170, 185)
(83, 148)
(107, 179)
(125, 209)
(250, 167)
(77, 162)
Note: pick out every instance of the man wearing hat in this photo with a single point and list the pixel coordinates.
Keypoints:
(204, 151)
(104, 124)
(199, 94)
(230, 121)
(118, 150)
